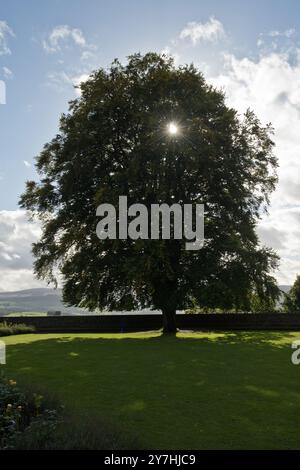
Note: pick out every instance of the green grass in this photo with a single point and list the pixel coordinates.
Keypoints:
(196, 391)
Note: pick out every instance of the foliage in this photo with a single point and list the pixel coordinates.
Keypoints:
(114, 142)
(7, 329)
(257, 304)
(28, 421)
(72, 433)
(19, 411)
(292, 298)
(260, 304)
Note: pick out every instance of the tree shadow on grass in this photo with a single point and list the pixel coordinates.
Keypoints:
(201, 390)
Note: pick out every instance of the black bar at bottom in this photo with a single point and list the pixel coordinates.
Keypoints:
(164, 458)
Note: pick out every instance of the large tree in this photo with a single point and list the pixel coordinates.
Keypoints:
(113, 142)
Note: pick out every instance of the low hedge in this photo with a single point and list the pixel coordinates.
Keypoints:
(7, 329)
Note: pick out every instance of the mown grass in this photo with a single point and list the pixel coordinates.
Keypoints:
(194, 391)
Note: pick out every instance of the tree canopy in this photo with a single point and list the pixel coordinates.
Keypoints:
(113, 142)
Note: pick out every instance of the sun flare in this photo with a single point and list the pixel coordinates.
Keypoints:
(172, 128)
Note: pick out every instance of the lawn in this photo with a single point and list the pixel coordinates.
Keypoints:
(196, 391)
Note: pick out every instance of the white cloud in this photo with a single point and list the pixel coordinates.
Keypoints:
(77, 80)
(27, 164)
(61, 81)
(58, 80)
(270, 85)
(169, 52)
(62, 35)
(14, 280)
(16, 238)
(277, 41)
(281, 230)
(211, 31)
(288, 33)
(87, 55)
(5, 32)
(7, 72)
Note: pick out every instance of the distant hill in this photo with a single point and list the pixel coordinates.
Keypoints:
(35, 300)
(43, 300)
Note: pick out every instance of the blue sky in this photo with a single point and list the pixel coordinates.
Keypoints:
(251, 49)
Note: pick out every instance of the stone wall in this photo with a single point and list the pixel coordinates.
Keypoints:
(127, 323)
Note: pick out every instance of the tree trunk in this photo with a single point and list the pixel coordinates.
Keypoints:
(169, 321)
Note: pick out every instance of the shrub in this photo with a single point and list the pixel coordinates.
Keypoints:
(7, 329)
(49, 432)
(29, 421)
(17, 411)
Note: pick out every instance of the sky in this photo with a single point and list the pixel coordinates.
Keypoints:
(249, 49)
